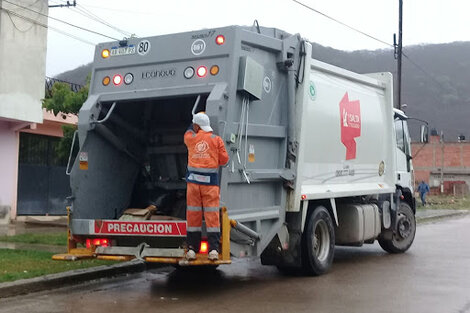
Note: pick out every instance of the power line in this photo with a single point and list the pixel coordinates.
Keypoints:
(59, 20)
(46, 26)
(374, 38)
(117, 10)
(430, 76)
(344, 24)
(83, 11)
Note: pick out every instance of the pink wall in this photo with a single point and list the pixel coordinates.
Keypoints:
(8, 164)
(9, 149)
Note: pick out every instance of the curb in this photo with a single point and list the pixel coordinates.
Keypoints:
(52, 281)
(430, 218)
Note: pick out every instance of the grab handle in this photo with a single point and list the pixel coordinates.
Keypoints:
(195, 104)
(107, 115)
(67, 172)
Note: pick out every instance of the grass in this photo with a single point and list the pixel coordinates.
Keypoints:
(56, 238)
(20, 264)
(445, 202)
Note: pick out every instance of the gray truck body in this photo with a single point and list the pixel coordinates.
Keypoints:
(131, 136)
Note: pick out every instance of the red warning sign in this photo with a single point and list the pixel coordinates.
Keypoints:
(350, 112)
(155, 228)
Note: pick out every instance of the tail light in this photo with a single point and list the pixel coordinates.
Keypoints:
(204, 247)
(220, 40)
(97, 242)
(201, 71)
(117, 80)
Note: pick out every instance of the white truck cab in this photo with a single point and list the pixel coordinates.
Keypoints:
(405, 176)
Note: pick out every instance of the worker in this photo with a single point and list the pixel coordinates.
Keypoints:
(423, 189)
(206, 152)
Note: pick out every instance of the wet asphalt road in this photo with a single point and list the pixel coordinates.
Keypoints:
(433, 276)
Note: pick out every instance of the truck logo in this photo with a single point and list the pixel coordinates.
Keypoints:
(312, 91)
(267, 84)
(198, 47)
(205, 35)
(158, 73)
(350, 113)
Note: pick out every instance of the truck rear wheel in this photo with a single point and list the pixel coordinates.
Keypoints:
(405, 233)
(318, 242)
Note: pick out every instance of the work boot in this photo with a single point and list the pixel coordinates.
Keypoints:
(213, 255)
(190, 255)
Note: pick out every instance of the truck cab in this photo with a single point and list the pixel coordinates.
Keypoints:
(404, 172)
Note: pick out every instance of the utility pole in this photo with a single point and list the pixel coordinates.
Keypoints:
(399, 52)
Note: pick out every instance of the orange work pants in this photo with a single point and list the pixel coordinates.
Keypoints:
(202, 199)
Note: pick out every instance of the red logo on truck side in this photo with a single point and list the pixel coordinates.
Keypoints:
(350, 112)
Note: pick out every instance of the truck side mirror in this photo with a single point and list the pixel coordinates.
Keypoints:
(424, 134)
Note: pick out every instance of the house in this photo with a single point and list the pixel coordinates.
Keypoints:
(445, 166)
(27, 133)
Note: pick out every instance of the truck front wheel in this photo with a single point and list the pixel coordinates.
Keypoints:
(405, 232)
(318, 242)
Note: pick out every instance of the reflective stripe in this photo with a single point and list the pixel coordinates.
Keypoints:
(213, 229)
(194, 208)
(212, 209)
(199, 178)
(203, 170)
(193, 229)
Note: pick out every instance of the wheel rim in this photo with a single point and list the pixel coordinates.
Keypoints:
(321, 241)
(404, 226)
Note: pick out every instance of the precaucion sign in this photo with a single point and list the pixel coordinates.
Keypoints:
(154, 228)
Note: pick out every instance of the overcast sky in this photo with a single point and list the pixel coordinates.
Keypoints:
(425, 21)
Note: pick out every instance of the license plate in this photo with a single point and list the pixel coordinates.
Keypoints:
(122, 50)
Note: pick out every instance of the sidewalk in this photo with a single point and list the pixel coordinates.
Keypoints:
(27, 227)
(423, 215)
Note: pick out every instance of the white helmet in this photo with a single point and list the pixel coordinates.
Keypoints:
(203, 121)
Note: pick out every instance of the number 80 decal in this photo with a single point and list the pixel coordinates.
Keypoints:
(143, 47)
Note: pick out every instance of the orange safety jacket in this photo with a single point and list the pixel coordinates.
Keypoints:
(206, 152)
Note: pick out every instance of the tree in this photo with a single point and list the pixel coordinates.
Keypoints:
(62, 100)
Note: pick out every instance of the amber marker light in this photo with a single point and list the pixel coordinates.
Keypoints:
(106, 81)
(105, 54)
(214, 70)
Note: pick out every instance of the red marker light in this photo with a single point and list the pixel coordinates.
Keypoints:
(117, 80)
(303, 197)
(201, 71)
(220, 40)
(204, 247)
(97, 242)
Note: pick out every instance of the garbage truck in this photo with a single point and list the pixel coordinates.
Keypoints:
(319, 157)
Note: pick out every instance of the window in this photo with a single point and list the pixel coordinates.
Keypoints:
(39, 150)
(400, 133)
